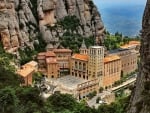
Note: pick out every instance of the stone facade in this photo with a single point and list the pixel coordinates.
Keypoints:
(129, 60)
(63, 58)
(85, 88)
(112, 70)
(48, 64)
(88, 66)
(79, 66)
(96, 63)
(52, 65)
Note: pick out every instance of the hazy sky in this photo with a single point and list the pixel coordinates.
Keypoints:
(119, 2)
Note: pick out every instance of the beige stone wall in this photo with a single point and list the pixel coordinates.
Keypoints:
(63, 59)
(27, 80)
(128, 60)
(85, 88)
(129, 63)
(96, 63)
(112, 73)
(52, 70)
(79, 68)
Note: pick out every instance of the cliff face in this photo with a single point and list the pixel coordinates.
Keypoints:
(21, 21)
(15, 24)
(140, 99)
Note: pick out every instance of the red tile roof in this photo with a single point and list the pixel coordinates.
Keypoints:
(25, 71)
(111, 58)
(135, 42)
(80, 57)
(131, 44)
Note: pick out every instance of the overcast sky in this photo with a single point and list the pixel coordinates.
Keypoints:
(119, 2)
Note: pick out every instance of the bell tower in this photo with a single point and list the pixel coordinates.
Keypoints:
(83, 48)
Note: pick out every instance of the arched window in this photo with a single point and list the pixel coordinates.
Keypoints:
(83, 76)
(80, 75)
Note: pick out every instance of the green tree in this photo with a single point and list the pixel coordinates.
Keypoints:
(8, 78)
(8, 100)
(29, 99)
(60, 102)
(119, 106)
(70, 23)
(37, 77)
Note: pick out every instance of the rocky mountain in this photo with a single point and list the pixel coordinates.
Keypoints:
(140, 99)
(23, 22)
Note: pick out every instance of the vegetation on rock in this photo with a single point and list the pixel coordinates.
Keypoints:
(115, 41)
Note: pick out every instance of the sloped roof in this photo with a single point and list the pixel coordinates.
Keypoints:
(80, 57)
(25, 71)
(83, 46)
(130, 44)
(32, 63)
(111, 58)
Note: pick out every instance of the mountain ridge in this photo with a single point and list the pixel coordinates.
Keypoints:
(22, 21)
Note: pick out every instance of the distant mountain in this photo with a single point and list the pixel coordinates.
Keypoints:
(125, 19)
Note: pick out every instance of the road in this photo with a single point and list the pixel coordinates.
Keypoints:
(92, 102)
(124, 84)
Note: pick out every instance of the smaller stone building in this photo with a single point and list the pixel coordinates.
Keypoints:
(26, 72)
(112, 70)
(48, 64)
